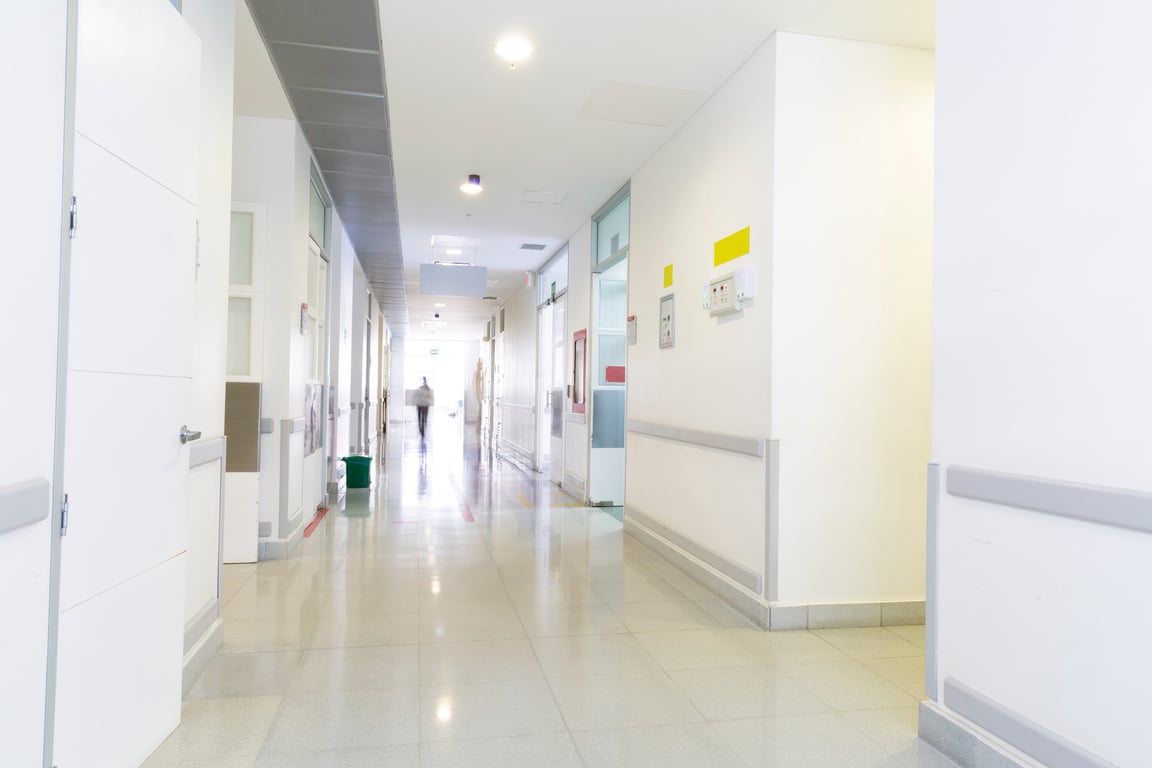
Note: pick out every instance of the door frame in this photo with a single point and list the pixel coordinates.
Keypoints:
(63, 321)
(593, 361)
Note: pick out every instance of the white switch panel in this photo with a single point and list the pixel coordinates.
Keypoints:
(722, 295)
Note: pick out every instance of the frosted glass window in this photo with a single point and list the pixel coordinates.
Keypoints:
(613, 304)
(239, 336)
(240, 250)
(316, 217)
(612, 353)
(612, 231)
(321, 287)
(555, 271)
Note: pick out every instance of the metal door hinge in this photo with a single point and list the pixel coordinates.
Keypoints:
(72, 219)
(64, 516)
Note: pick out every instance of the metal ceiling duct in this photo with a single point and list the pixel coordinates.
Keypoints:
(329, 59)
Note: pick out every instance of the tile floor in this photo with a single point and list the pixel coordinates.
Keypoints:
(405, 634)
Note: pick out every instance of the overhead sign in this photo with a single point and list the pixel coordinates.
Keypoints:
(452, 280)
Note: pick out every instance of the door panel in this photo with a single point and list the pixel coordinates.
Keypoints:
(126, 474)
(133, 271)
(130, 358)
(607, 385)
(138, 87)
(128, 665)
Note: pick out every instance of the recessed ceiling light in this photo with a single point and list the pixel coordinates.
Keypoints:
(453, 263)
(439, 305)
(453, 251)
(472, 186)
(513, 49)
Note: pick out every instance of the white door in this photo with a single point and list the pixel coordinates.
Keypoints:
(129, 372)
(544, 404)
(607, 383)
(557, 376)
(32, 57)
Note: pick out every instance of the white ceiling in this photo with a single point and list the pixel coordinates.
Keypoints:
(609, 82)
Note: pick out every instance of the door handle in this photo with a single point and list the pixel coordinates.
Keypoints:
(187, 435)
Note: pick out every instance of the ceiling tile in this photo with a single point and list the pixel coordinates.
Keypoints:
(354, 162)
(338, 107)
(359, 182)
(342, 23)
(362, 199)
(303, 66)
(354, 138)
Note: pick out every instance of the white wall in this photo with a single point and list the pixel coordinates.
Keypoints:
(851, 280)
(32, 42)
(578, 310)
(271, 168)
(361, 307)
(823, 148)
(517, 374)
(263, 173)
(712, 179)
(340, 268)
(1044, 182)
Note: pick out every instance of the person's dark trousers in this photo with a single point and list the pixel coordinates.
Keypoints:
(422, 418)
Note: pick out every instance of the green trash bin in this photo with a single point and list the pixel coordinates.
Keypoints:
(359, 471)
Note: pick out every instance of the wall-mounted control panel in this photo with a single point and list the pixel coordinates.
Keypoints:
(727, 293)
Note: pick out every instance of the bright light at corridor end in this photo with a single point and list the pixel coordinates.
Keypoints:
(513, 49)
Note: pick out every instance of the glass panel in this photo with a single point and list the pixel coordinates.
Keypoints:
(612, 231)
(555, 271)
(316, 215)
(240, 250)
(613, 352)
(239, 336)
(313, 257)
(613, 304)
(608, 418)
(314, 339)
(578, 373)
(558, 323)
(321, 288)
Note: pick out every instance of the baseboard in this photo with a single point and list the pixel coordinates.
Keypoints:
(280, 549)
(516, 456)
(774, 617)
(974, 731)
(841, 615)
(574, 487)
(197, 658)
(748, 605)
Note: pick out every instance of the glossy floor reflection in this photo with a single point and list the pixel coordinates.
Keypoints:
(461, 614)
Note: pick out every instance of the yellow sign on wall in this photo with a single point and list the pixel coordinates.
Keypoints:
(732, 247)
(668, 276)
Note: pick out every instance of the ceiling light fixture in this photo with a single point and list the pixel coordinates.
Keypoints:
(472, 186)
(453, 251)
(454, 263)
(440, 305)
(513, 49)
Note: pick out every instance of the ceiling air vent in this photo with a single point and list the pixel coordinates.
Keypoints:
(532, 246)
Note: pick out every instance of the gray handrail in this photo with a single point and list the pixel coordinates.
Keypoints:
(24, 503)
(750, 446)
(1115, 507)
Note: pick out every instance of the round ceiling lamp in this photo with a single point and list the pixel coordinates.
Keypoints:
(472, 186)
(513, 49)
